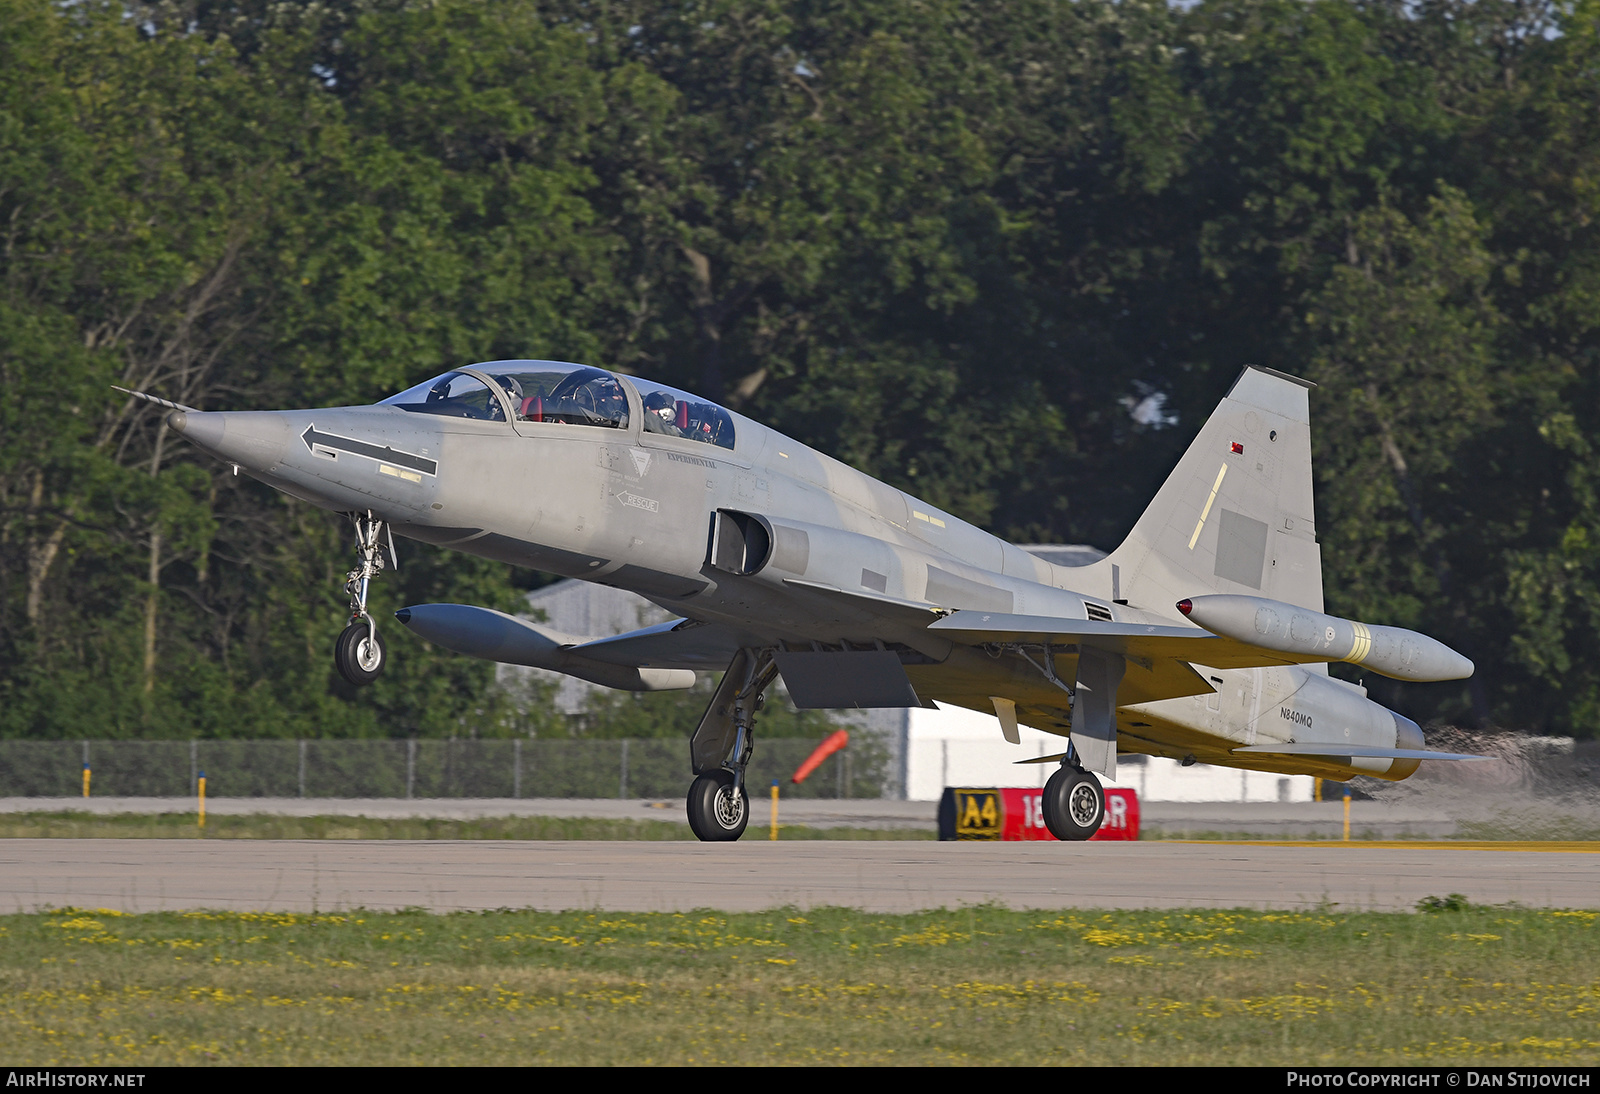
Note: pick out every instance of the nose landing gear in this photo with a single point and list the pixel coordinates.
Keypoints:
(359, 654)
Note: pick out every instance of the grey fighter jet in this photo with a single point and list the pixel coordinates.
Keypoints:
(1201, 637)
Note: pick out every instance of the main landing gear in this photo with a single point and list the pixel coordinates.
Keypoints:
(1074, 803)
(718, 806)
(359, 654)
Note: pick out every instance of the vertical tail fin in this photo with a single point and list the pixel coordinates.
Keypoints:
(1236, 514)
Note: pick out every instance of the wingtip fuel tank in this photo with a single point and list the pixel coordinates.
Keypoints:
(1314, 636)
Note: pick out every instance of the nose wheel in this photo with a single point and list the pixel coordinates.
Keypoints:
(359, 654)
(1074, 804)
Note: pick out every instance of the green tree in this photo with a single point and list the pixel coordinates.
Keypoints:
(1405, 348)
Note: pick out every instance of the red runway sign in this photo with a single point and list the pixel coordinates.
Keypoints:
(1016, 813)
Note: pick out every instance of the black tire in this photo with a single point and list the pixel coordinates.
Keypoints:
(718, 813)
(1074, 804)
(360, 660)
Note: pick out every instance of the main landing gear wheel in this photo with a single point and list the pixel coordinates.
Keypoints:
(359, 654)
(1074, 804)
(718, 810)
(721, 746)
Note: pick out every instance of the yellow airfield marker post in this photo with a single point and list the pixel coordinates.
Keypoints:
(774, 809)
(1347, 814)
(202, 799)
(86, 780)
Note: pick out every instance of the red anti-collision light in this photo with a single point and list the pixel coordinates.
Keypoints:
(1238, 448)
(1186, 606)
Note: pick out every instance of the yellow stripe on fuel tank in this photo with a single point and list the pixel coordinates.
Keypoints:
(1362, 644)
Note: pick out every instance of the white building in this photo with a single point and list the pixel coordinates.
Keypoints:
(929, 749)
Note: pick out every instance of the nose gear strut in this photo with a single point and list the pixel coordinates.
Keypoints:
(359, 654)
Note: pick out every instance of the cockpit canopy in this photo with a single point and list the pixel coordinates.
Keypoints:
(538, 391)
(674, 413)
(454, 395)
(564, 394)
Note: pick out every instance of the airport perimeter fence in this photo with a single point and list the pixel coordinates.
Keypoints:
(653, 768)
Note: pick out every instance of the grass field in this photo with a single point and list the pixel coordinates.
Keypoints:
(973, 986)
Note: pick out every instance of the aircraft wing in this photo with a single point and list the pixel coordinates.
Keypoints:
(1142, 642)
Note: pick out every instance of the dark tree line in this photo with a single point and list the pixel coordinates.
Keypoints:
(1006, 256)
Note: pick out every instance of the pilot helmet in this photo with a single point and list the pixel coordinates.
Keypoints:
(662, 405)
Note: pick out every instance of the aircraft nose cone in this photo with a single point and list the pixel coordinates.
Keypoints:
(205, 430)
(255, 440)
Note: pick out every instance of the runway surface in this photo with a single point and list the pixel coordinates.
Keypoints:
(1286, 820)
(142, 875)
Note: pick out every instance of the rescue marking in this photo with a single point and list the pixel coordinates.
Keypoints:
(649, 505)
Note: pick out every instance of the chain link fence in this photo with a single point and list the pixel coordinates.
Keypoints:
(653, 768)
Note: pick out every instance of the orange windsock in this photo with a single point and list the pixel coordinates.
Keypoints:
(831, 744)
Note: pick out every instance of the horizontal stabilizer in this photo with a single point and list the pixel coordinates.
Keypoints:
(1360, 751)
(496, 636)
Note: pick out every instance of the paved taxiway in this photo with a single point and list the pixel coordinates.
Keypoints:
(1285, 820)
(139, 875)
